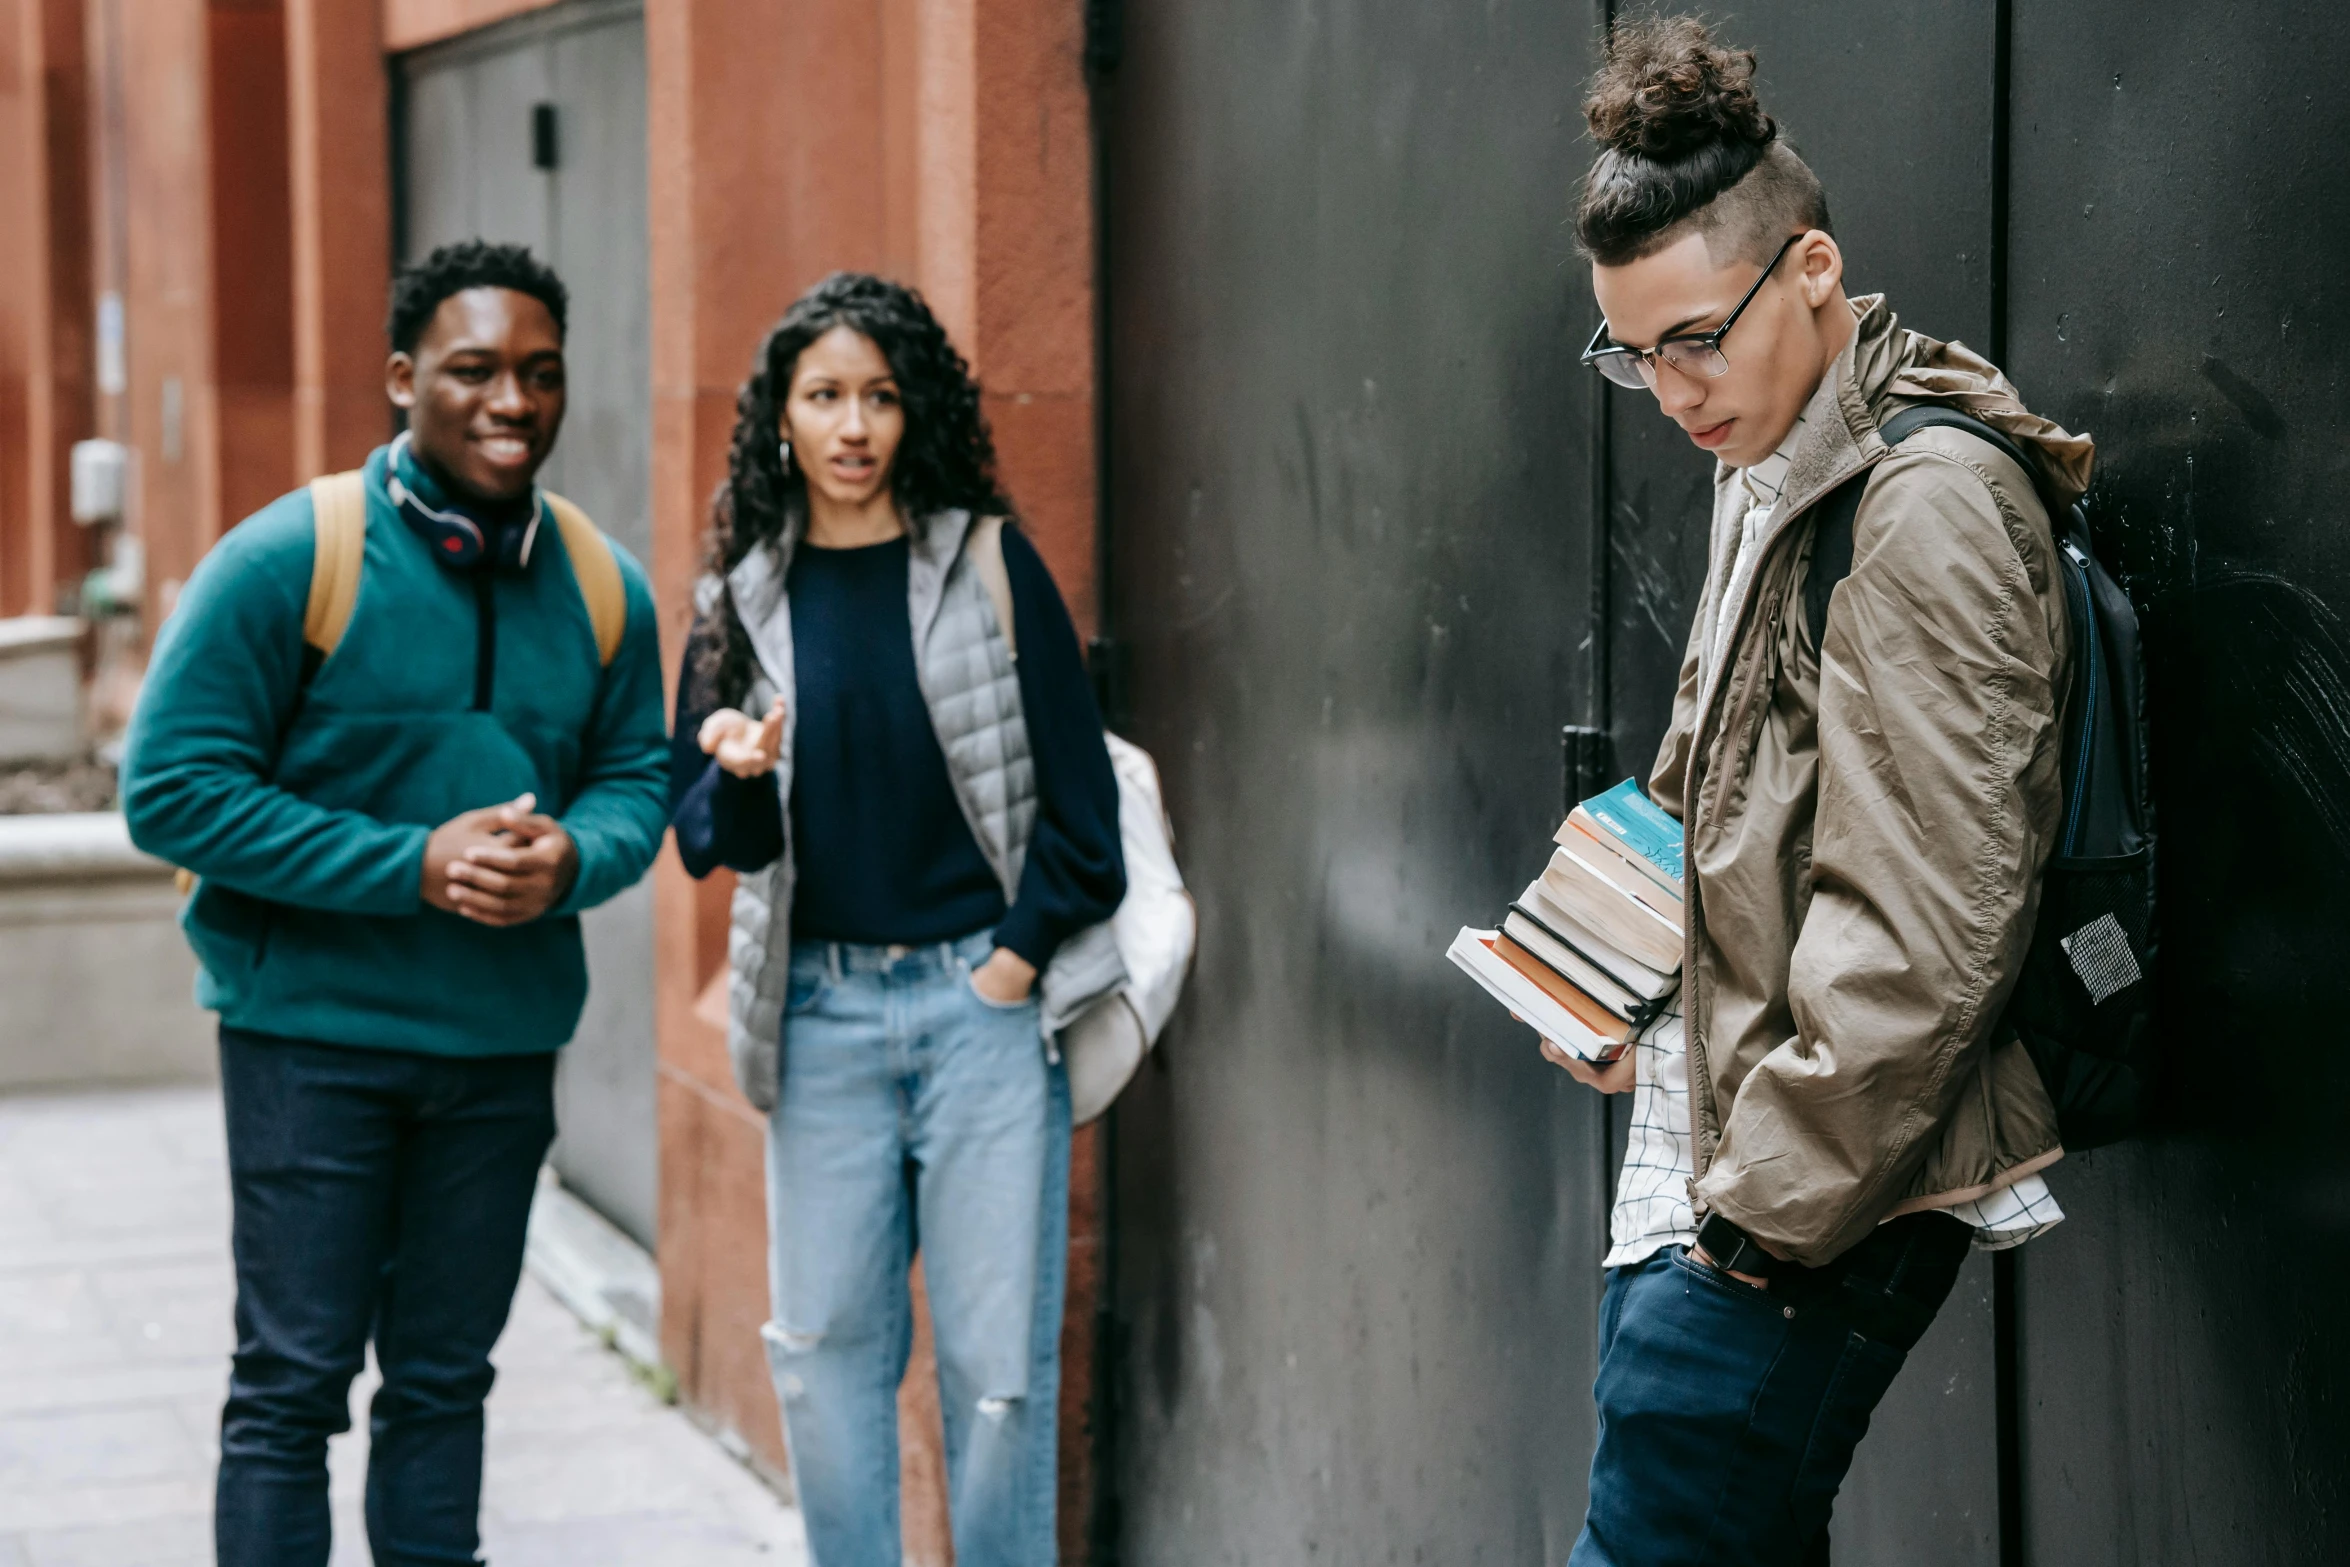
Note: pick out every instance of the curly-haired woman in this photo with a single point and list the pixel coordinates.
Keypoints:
(927, 831)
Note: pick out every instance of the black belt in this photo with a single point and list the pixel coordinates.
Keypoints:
(1735, 1251)
(1888, 1287)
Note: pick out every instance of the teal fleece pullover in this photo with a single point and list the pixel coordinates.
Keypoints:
(305, 812)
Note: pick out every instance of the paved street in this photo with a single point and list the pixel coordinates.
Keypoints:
(114, 1332)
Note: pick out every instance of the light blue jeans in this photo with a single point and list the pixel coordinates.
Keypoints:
(915, 1115)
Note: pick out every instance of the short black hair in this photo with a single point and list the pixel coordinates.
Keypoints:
(419, 288)
(1685, 146)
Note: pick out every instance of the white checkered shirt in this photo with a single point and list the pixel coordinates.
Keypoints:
(1652, 1194)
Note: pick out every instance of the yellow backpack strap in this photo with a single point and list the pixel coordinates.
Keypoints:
(592, 562)
(340, 502)
(987, 558)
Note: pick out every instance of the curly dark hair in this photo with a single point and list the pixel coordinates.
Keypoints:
(419, 288)
(1684, 139)
(946, 458)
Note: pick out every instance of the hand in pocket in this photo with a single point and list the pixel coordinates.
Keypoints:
(1005, 979)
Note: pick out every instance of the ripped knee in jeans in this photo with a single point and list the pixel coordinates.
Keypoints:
(785, 1345)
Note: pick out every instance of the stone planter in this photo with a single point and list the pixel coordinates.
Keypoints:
(40, 688)
(96, 983)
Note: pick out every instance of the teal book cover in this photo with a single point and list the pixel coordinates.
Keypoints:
(1628, 812)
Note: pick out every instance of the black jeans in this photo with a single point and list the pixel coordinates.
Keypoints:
(377, 1194)
(1728, 1415)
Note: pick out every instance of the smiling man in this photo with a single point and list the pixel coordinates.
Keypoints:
(404, 726)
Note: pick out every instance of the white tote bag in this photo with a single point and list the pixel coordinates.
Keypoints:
(1156, 926)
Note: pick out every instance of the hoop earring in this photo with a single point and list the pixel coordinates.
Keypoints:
(785, 448)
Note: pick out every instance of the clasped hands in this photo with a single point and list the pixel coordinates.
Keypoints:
(750, 747)
(501, 865)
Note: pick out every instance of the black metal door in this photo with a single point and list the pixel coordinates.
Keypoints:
(1360, 1219)
(1364, 520)
(2180, 223)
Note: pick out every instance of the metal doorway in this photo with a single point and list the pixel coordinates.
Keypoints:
(1359, 1221)
(533, 131)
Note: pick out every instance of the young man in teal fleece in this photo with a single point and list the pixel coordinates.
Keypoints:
(394, 844)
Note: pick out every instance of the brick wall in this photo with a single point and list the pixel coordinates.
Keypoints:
(944, 142)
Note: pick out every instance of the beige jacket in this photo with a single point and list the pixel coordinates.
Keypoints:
(1867, 828)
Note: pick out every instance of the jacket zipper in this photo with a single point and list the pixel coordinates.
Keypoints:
(1704, 1118)
(485, 639)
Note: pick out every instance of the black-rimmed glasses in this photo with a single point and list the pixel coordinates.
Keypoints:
(1696, 354)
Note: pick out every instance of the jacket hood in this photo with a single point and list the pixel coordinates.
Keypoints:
(1893, 364)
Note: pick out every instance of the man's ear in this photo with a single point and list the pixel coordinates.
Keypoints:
(1823, 267)
(400, 380)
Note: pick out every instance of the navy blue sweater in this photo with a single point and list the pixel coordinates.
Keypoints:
(883, 851)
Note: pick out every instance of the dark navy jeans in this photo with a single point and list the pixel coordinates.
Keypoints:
(377, 1194)
(1728, 1414)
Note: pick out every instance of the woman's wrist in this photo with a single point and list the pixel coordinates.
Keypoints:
(1023, 931)
(1005, 976)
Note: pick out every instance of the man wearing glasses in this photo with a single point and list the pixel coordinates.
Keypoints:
(1864, 758)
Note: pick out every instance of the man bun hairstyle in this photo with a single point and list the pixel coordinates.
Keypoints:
(1684, 146)
(419, 288)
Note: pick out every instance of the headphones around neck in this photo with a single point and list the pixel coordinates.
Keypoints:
(458, 539)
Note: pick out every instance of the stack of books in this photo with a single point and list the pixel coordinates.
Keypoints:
(1591, 951)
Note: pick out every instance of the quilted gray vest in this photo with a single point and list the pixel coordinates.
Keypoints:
(973, 694)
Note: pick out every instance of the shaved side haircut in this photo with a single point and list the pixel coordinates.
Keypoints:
(1686, 148)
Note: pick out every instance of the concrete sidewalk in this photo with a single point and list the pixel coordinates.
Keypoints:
(115, 1295)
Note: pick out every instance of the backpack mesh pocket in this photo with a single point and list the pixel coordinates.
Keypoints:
(2084, 1003)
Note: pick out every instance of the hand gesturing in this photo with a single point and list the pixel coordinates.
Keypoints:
(745, 746)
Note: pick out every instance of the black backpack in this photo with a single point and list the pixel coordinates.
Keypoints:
(2084, 1003)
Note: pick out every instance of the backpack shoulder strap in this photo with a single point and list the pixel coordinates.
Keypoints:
(339, 501)
(598, 574)
(987, 558)
(1831, 553)
(1938, 416)
(1831, 548)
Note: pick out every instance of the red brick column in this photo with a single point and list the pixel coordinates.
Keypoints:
(195, 100)
(252, 276)
(341, 220)
(944, 142)
(765, 173)
(159, 195)
(1032, 247)
(45, 309)
(1032, 341)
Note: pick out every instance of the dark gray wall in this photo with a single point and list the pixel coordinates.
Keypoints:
(1359, 1247)
(467, 170)
(1361, 503)
(2181, 220)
